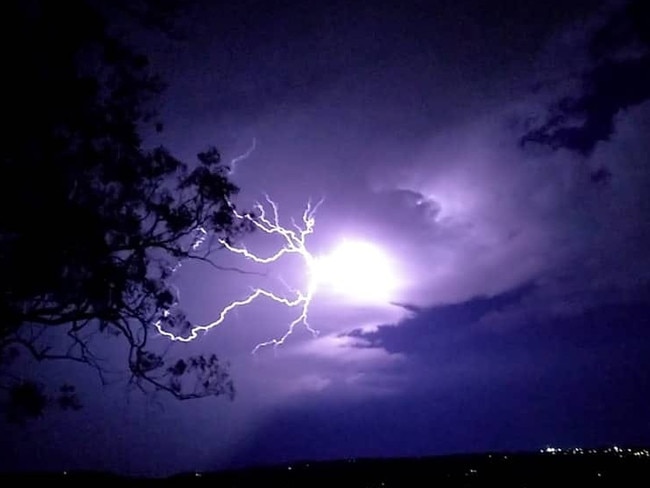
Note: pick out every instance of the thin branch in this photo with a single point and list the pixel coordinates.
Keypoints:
(43, 354)
(226, 268)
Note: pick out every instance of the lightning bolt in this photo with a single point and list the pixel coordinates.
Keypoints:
(242, 157)
(294, 239)
(294, 243)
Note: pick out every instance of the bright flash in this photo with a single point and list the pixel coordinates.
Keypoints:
(356, 270)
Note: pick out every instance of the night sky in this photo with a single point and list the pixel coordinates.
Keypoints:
(515, 312)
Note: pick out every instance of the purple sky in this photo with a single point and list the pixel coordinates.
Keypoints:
(523, 285)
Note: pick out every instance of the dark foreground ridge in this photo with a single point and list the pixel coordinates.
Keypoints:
(592, 467)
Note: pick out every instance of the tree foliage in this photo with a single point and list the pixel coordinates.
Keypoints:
(618, 78)
(93, 222)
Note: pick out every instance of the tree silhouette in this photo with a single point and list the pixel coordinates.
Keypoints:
(618, 78)
(92, 222)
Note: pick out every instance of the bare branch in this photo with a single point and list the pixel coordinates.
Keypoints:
(227, 268)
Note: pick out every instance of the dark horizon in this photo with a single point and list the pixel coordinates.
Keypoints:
(604, 467)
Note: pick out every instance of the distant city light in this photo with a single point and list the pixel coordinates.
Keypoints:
(616, 450)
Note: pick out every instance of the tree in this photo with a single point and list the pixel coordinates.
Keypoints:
(618, 78)
(92, 222)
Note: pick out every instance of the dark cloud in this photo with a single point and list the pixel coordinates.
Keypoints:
(568, 381)
(423, 331)
(617, 78)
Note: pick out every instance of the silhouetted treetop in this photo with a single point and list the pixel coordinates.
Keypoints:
(92, 221)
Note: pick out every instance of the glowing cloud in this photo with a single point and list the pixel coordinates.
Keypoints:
(357, 270)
